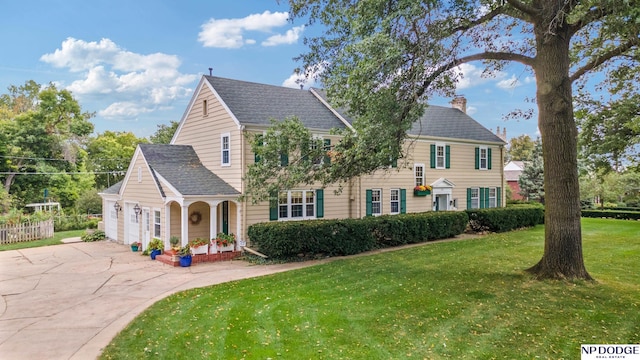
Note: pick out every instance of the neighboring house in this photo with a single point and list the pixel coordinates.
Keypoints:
(190, 188)
(512, 172)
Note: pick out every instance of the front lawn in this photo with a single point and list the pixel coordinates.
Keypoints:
(55, 240)
(457, 300)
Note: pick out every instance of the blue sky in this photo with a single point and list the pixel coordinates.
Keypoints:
(136, 63)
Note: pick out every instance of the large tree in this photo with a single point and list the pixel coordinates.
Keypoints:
(109, 156)
(382, 59)
(43, 129)
(164, 133)
(521, 148)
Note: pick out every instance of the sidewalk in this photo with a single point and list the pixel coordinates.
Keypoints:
(69, 301)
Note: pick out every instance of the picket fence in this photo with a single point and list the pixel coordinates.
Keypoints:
(10, 234)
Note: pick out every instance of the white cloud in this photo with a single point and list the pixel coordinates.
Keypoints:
(509, 84)
(150, 80)
(290, 37)
(471, 75)
(306, 79)
(471, 110)
(230, 33)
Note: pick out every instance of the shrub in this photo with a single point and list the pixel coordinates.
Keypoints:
(614, 214)
(93, 236)
(506, 218)
(352, 236)
(74, 222)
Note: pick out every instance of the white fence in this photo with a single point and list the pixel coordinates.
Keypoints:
(10, 234)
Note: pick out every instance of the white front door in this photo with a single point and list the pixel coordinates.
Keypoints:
(133, 225)
(146, 228)
(441, 202)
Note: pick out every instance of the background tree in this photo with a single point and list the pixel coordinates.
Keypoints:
(531, 180)
(520, 148)
(382, 59)
(109, 155)
(89, 202)
(164, 133)
(43, 129)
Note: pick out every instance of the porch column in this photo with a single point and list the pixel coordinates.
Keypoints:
(240, 240)
(167, 225)
(213, 220)
(184, 224)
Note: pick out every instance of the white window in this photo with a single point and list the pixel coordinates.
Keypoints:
(225, 149)
(395, 201)
(440, 156)
(296, 205)
(475, 198)
(418, 171)
(483, 158)
(376, 202)
(139, 174)
(156, 223)
(205, 108)
(492, 197)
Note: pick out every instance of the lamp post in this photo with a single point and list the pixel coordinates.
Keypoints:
(117, 207)
(137, 210)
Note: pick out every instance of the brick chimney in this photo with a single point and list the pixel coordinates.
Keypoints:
(502, 136)
(459, 102)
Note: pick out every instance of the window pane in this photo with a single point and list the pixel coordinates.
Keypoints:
(282, 212)
(419, 171)
(375, 208)
(309, 210)
(394, 195)
(296, 211)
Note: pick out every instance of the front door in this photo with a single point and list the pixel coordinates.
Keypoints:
(225, 217)
(111, 222)
(146, 228)
(441, 202)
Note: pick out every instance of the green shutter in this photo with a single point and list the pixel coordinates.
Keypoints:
(498, 197)
(327, 148)
(305, 148)
(432, 154)
(489, 158)
(477, 158)
(369, 203)
(284, 159)
(256, 156)
(403, 201)
(273, 206)
(484, 197)
(468, 198)
(448, 156)
(319, 203)
(481, 199)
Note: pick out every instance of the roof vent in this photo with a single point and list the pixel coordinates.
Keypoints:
(210, 71)
(301, 86)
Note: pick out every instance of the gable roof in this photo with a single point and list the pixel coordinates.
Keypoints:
(113, 189)
(438, 121)
(448, 122)
(180, 166)
(256, 104)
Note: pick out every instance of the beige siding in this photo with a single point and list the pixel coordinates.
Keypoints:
(144, 193)
(203, 132)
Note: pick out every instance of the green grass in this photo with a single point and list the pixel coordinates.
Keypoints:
(55, 240)
(449, 300)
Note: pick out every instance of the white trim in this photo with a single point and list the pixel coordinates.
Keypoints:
(415, 165)
(486, 158)
(444, 155)
(222, 149)
(477, 189)
(391, 201)
(304, 205)
(153, 211)
(379, 201)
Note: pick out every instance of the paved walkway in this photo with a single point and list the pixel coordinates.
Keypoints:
(69, 301)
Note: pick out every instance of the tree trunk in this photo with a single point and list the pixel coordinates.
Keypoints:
(562, 258)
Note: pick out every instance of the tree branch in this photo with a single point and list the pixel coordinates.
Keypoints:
(481, 20)
(524, 8)
(591, 16)
(604, 58)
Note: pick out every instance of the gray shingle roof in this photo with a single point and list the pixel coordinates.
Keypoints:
(181, 167)
(257, 104)
(447, 122)
(113, 189)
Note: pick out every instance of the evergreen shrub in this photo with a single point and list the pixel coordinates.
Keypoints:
(505, 218)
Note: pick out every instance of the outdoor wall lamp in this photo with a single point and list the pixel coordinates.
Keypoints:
(117, 207)
(137, 210)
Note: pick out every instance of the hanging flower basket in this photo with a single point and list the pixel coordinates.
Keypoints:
(422, 190)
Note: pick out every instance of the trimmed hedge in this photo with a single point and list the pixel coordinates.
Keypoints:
(352, 236)
(505, 219)
(624, 215)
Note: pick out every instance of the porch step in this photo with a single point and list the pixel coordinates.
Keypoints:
(202, 258)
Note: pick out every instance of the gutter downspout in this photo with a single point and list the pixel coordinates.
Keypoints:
(243, 220)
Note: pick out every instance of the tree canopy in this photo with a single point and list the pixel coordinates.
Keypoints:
(383, 59)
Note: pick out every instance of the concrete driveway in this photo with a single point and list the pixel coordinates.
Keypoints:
(68, 301)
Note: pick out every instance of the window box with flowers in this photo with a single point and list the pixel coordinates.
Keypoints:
(422, 190)
(199, 246)
(224, 242)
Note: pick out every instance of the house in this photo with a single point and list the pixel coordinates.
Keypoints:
(191, 187)
(512, 172)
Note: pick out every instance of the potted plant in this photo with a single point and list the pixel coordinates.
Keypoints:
(136, 246)
(199, 246)
(422, 190)
(185, 256)
(155, 246)
(175, 243)
(223, 240)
